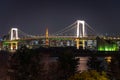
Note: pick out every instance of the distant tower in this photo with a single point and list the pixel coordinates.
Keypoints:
(47, 38)
(14, 34)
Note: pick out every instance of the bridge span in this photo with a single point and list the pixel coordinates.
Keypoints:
(79, 34)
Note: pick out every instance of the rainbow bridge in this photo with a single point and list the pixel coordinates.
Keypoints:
(79, 35)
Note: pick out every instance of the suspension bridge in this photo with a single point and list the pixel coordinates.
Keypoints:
(79, 34)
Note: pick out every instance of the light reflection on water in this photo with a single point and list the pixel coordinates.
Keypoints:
(83, 63)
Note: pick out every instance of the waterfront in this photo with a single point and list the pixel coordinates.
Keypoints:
(49, 58)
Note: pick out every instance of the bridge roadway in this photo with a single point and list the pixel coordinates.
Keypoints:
(53, 41)
(56, 41)
(58, 37)
(70, 38)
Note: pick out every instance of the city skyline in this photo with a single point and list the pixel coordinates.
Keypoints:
(34, 16)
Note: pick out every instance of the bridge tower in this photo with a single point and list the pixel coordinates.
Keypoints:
(13, 36)
(81, 33)
(14, 33)
(47, 37)
(81, 29)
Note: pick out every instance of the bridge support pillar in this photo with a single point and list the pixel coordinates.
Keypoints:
(77, 43)
(80, 43)
(10, 45)
(13, 45)
(83, 44)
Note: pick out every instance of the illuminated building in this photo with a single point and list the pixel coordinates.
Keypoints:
(106, 45)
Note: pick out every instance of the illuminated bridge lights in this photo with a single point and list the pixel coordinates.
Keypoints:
(60, 39)
(11, 44)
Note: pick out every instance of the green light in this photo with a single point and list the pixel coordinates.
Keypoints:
(5, 43)
(101, 48)
(108, 47)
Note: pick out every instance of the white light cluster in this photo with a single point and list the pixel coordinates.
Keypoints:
(78, 28)
(12, 32)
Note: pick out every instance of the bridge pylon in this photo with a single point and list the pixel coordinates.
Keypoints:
(14, 34)
(80, 43)
(81, 29)
(81, 33)
(77, 43)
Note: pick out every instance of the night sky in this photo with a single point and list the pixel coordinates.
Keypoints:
(33, 16)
